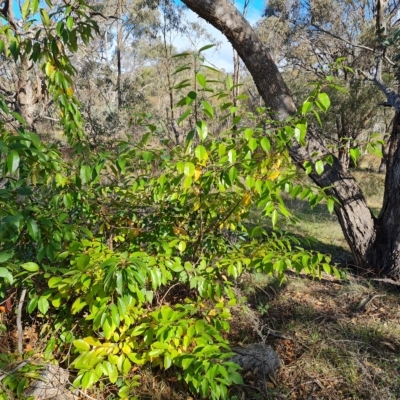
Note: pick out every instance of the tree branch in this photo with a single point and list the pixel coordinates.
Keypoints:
(360, 46)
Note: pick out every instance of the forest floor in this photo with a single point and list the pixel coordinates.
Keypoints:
(343, 336)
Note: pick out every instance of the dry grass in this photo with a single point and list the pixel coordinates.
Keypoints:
(335, 351)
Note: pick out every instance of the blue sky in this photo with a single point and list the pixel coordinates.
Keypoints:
(223, 57)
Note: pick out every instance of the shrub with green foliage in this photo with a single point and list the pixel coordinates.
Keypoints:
(130, 257)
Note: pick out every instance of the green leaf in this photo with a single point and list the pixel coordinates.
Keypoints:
(229, 82)
(202, 80)
(6, 274)
(355, 154)
(5, 256)
(323, 102)
(4, 106)
(67, 199)
(32, 228)
(319, 167)
(147, 156)
(207, 108)
(14, 48)
(25, 9)
(43, 305)
(202, 130)
(187, 183)
(85, 174)
(206, 47)
(19, 118)
(331, 205)
(318, 118)
(45, 18)
(232, 156)
(30, 267)
(70, 23)
(83, 261)
(32, 305)
(274, 217)
(34, 6)
(89, 378)
(306, 107)
(182, 246)
(2, 47)
(201, 153)
(12, 161)
(233, 174)
(190, 169)
(265, 144)
(81, 345)
(184, 115)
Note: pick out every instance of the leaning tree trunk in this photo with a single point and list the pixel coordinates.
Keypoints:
(373, 242)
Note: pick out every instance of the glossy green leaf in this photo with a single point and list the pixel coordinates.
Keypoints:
(33, 228)
(202, 130)
(201, 79)
(207, 108)
(70, 23)
(32, 305)
(189, 169)
(6, 274)
(323, 102)
(45, 17)
(229, 82)
(5, 256)
(319, 167)
(201, 153)
(206, 47)
(184, 115)
(30, 266)
(81, 345)
(274, 217)
(331, 205)
(43, 305)
(13, 161)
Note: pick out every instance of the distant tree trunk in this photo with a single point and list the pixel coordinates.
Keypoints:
(25, 98)
(375, 243)
(119, 46)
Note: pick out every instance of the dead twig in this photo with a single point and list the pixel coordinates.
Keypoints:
(19, 320)
(366, 301)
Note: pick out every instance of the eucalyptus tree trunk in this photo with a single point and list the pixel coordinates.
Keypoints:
(25, 96)
(119, 49)
(374, 242)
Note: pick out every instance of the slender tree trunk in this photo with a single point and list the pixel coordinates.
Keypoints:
(119, 46)
(25, 104)
(373, 242)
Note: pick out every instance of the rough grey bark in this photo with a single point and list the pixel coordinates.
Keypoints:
(375, 243)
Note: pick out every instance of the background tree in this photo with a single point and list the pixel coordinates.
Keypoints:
(307, 39)
(374, 241)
